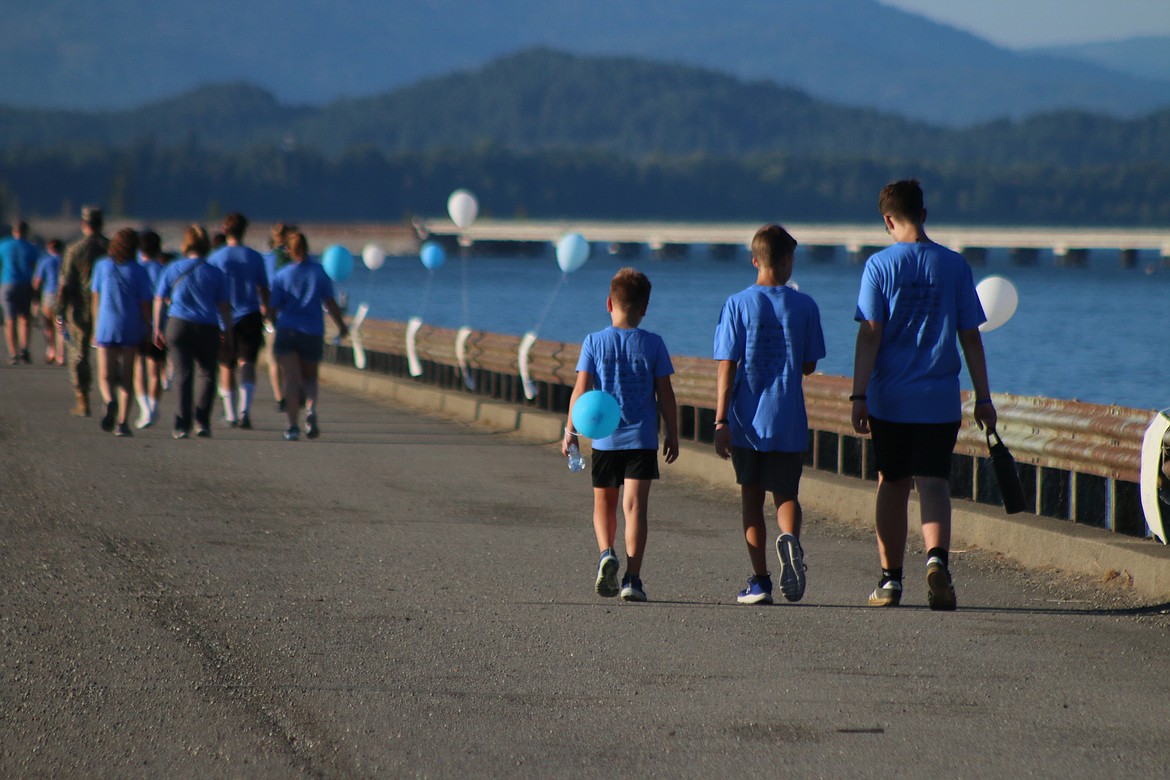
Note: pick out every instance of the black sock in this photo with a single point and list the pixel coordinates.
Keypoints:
(891, 575)
(940, 553)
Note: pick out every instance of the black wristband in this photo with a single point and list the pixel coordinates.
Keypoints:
(860, 397)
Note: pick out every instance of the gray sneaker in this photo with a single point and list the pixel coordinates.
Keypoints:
(940, 594)
(888, 593)
(792, 567)
(607, 569)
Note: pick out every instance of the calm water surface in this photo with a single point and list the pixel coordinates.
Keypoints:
(1096, 334)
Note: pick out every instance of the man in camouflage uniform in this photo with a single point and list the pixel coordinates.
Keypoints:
(74, 303)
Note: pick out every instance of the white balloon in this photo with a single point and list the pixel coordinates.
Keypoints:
(572, 252)
(373, 256)
(463, 207)
(999, 299)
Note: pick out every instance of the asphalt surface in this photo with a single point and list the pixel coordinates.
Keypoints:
(408, 596)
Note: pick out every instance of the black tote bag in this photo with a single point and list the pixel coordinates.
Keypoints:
(1006, 475)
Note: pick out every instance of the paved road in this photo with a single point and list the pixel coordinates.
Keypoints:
(408, 596)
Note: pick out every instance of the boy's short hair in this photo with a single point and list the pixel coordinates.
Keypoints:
(297, 245)
(55, 245)
(235, 225)
(771, 244)
(149, 243)
(902, 199)
(630, 289)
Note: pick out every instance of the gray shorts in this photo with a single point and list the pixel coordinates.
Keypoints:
(307, 346)
(775, 472)
(49, 308)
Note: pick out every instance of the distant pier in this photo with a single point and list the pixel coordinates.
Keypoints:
(1069, 245)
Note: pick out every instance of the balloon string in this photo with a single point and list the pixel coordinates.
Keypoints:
(426, 296)
(466, 297)
(551, 299)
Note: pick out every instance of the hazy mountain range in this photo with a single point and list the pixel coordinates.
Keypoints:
(125, 53)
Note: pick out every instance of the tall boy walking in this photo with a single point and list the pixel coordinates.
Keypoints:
(768, 338)
(632, 365)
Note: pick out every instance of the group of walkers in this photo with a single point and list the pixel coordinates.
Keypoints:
(916, 308)
(197, 322)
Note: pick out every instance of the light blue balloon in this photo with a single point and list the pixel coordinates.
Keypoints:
(572, 252)
(432, 255)
(338, 262)
(596, 414)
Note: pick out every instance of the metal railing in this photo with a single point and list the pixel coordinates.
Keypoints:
(1078, 462)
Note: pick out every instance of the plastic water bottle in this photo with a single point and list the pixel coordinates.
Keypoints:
(576, 462)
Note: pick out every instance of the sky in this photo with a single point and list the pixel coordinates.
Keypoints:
(1029, 23)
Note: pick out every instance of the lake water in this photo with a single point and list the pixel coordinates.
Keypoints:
(1097, 334)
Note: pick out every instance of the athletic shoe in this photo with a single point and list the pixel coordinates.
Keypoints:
(792, 567)
(108, 419)
(607, 569)
(145, 420)
(940, 594)
(758, 591)
(202, 433)
(311, 429)
(632, 589)
(123, 430)
(26, 357)
(292, 434)
(179, 433)
(246, 421)
(888, 593)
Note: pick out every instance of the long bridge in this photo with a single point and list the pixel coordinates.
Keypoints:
(1069, 245)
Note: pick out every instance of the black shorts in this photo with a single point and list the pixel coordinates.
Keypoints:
(775, 472)
(148, 349)
(913, 449)
(307, 346)
(247, 339)
(611, 468)
(16, 300)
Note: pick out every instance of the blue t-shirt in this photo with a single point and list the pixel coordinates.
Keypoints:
(770, 333)
(626, 364)
(18, 259)
(48, 273)
(195, 288)
(154, 269)
(923, 294)
(298, 292)
(275, 260)
(245, 272)
(122, 288)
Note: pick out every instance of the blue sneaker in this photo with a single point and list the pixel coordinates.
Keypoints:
(758, 591)
(792, 567)
(607, 569)
(632, 589)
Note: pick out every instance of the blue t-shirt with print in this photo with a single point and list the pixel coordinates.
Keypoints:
(770, 333)
(195, 289)
(122, 288)
(626, 362)
(298, 294)
(48, 273)
(246, 274)
(922, 294)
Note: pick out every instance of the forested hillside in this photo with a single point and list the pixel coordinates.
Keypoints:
(552, 134)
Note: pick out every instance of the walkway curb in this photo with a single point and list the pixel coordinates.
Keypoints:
(1036, 542)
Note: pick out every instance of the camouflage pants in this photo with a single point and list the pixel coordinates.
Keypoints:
(77, 351)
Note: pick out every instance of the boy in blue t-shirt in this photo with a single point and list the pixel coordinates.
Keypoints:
(632, 365)
(768, 338)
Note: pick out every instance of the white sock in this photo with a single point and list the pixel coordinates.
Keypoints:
(144, 405)
(247, 390)
(229, 404)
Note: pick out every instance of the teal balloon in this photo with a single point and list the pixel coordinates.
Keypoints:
(572, 252)
(596, 414)
(338, 262)
(432, 255)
